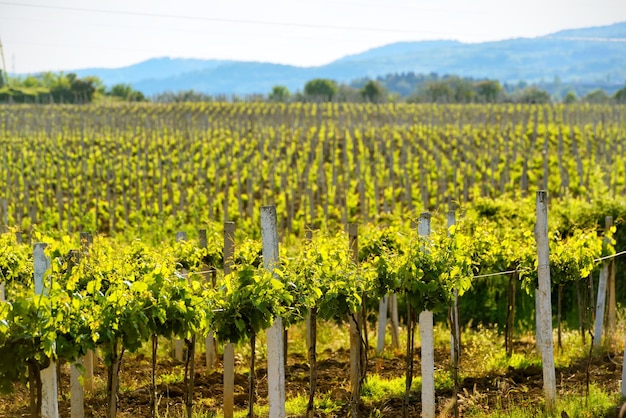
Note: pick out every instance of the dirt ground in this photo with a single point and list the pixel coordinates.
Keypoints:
(515, 387)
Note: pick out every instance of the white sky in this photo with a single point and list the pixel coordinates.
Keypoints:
(40, 35)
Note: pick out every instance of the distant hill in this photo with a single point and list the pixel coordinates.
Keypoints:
(579, 56)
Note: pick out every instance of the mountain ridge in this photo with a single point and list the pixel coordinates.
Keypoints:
(584, 55)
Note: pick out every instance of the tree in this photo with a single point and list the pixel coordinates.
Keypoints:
(570, 98)
(372, 91)
(30, 81)
(50, 79)
(532, 94)
(279, 94)
(185, 96)
(126, 92)
(597, 96)
(137, 96)
(82, 89)
(321, 89)
(71, 89)
(488, 91)
(439, 92)
(97, 84)
(346, 93)
(620, 95)
(463, 89)
(121, 90)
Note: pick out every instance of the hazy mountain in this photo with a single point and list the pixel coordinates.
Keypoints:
(588, 55)
(155, 68)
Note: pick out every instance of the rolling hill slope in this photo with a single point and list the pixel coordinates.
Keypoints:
(588, 55)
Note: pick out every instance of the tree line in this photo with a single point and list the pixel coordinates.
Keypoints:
(51, 87)
(429, 89)
(434, 89)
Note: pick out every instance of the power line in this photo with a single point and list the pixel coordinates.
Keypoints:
(224, 20)
(175, 29)
(92, 46)
(387, 5)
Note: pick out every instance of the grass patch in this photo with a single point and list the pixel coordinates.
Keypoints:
(484, 353)
(376, 389)
(325, 405)
(600, 403)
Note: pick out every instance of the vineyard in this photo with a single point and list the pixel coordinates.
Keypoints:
(222, 230)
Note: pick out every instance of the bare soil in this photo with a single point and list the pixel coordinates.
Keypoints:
(515, 387)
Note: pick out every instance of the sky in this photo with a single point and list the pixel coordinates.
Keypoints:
(53, 35)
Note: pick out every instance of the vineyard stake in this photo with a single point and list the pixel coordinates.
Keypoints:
(210, 354)
(383, 309)
(455, 334)
(393, 309)
(77, 391)
(311, 324)
(427, 341)
(4, 216)
(229, 347)
(624, 374)
(599, 322)
(383, 306)
(603, 287)
(3, 229)
(355, 334)
(611, 314)
(178, 344)
(91, 358)
(274, 334)
(49, 401)
(611, 303)
(538, 332)
(544, 304)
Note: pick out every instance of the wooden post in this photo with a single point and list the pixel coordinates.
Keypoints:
(178, 344)
(49, 401)
(383, 307)
(427, 341)
(77, 393)
(229, 347)
(77, 390)
(3, 229)
(393, 309)
(210, 354)
(90, 360)
(311, 325)
(538, 332)
(4, 216)
(544, 303)
(455, 328)
(455, 334)
(309, 337)
(599, 322)
(274, 335)
(603, 287)
(611, 316)
(624, 374)
(355, 335)
(546, 158)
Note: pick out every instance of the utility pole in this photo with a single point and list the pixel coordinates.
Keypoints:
(5, 75)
